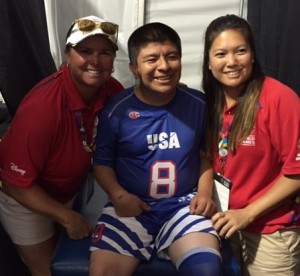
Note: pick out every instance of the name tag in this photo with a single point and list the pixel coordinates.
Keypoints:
(221, 190)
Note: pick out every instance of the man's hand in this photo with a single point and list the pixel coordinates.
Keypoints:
(129, 205)
(201, 205)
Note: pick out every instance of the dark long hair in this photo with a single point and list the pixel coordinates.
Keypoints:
(244, 117)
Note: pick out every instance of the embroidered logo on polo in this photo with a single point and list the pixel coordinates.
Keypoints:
(249, 141)
(15, 168)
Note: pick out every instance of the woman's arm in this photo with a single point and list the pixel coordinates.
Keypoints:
(285, 188)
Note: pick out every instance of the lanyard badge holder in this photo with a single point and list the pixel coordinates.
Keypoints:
(89, 148)
(221, 191)
(222, 185)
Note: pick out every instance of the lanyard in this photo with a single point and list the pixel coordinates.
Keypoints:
(90, 148)
(223, 142)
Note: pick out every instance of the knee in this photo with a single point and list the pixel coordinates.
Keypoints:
(200, 261)
(101, 269)
(102, 264)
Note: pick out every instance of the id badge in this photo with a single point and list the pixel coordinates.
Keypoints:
(90, 186)
(221, 191)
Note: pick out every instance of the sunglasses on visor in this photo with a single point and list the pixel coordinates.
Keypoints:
(86, 25)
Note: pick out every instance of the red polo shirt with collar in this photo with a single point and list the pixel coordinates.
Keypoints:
(271, 150)
(43, 145)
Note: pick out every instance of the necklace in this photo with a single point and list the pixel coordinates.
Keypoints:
(89, 147)
(223, 142)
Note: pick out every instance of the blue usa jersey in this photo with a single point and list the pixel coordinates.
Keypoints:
(154, 150)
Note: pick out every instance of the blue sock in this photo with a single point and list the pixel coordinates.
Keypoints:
(202, 261)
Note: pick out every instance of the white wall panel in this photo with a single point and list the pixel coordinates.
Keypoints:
(188, 17)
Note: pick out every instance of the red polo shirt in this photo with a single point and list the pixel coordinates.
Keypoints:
(43, 145)
(271, 150)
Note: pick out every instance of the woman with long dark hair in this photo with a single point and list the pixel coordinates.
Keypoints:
(253, 140)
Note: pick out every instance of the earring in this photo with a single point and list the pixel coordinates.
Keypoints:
(113, 70)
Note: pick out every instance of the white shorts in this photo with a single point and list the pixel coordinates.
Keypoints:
(22, 225)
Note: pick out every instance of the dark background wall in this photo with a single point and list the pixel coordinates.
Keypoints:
(25, 57)
(275, 24)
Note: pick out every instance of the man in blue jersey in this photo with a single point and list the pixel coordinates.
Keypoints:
(149, 161)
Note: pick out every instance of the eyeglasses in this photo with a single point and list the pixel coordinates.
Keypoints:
(86, 25)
